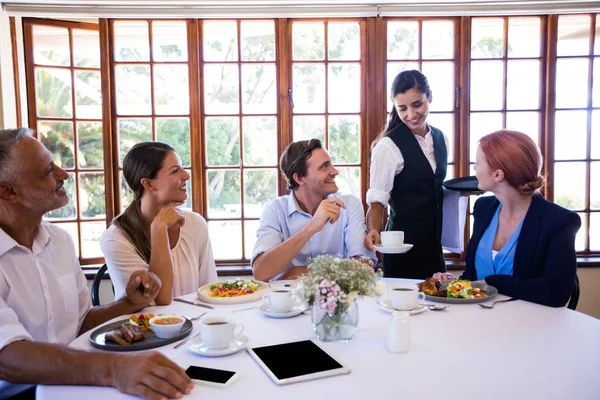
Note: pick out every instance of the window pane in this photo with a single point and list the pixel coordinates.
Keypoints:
(91, 195)
(259, 89)
(596, 83)
(596, 134)
(53, 93)
(51, 45)
(308, 41)
(171, 90)
(523, 85)
(71, 228)
(573, 35)
(348, 180)
(581, 234)
(88, 95)
(176, 132)
(526, 122)
(126, 193)
(343, 87)
(445, 123)
(309, 88)
(133, 89)
(250, 229)
(438, 39)
(402, 40)
(309, 127)
(571, 83)
(132, 131)
(569, 185)
(487, 38)
(449, 172)
(595, 231)
(220, 40)
(169, 41)
(222, 141)
(595, 185)
(70, 210)
(224, 198)
(258, 40)
(260, 187)
(524, 37)
(86, 48)
(597, 38)
(260, 140)
(188, 185)
(480, 125)
(226, 239)
(90, 238)
(131, 41)
(344, 139)
(91, 151)
(570, 135)
(343, 41)
(221, 89)
(59, 139)
(487, 88)
(441, 80)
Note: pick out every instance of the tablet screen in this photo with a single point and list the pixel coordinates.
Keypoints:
(289, 360)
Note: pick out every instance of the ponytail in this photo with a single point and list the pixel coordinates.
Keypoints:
(131, 223)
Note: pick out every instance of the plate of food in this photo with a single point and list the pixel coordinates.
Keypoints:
(233, 291)
(133, 334)
(458, 291)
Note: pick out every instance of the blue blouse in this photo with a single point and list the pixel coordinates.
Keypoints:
(502, 264)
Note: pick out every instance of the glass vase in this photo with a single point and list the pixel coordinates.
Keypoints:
(339, 327)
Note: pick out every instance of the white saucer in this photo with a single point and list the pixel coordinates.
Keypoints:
(386, 305)
(196, 345)
(394, 250)
(265, 308)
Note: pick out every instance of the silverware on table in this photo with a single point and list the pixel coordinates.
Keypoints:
(193, 303)
(490, 306)
(244, 309)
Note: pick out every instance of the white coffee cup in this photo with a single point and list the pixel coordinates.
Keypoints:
(218, 332)
(405, 298)
(280, 299)
(392, 238)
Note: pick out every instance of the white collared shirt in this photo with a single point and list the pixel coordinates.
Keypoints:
(387, 162)
(43, 292)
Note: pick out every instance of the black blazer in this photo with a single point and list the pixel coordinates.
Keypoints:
(545, 263)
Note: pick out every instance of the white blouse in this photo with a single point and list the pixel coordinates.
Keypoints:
(387, 162)
(193, 262)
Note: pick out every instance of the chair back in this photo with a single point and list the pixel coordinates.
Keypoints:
(96, 285)
(575, 295)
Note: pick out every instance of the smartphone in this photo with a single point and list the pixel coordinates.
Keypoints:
(210, 376)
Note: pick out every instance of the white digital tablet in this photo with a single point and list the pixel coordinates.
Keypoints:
(296, 361)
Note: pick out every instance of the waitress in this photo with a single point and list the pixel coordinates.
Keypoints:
(408, 165)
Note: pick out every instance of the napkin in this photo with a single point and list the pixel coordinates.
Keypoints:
(453, 223)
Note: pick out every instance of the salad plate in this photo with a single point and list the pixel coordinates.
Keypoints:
(235, 289)
(197, 345)
(490, 292)
(386, 305)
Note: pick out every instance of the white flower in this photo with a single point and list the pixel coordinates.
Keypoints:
(380, 288)
(351, 296)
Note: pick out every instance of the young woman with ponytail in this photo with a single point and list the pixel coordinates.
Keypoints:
(152, 233)
(522, 244)
(408, 165)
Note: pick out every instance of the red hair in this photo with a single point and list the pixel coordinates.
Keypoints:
(517, 155)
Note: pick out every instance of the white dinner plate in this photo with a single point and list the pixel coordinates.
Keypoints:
(197, 345)
(247, 298)
(265, 308)
(386, 305)
(394, 250)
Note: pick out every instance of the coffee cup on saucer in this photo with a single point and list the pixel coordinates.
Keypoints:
(392, 238)
(218, 332)
(280, 299)
(405, 298)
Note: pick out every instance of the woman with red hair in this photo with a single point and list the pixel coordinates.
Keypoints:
(522, 244)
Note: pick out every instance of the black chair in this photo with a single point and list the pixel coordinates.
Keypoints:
(96, 285)
(575, 295)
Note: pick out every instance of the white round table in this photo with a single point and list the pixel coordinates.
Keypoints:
(518, 350)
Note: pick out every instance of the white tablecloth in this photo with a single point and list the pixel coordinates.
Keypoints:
(518, 350)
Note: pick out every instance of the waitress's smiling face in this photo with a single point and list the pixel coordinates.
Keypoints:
(413, 108)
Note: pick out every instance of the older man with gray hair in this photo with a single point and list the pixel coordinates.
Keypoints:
(44, 300)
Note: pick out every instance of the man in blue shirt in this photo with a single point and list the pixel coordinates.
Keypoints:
(313, 219)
